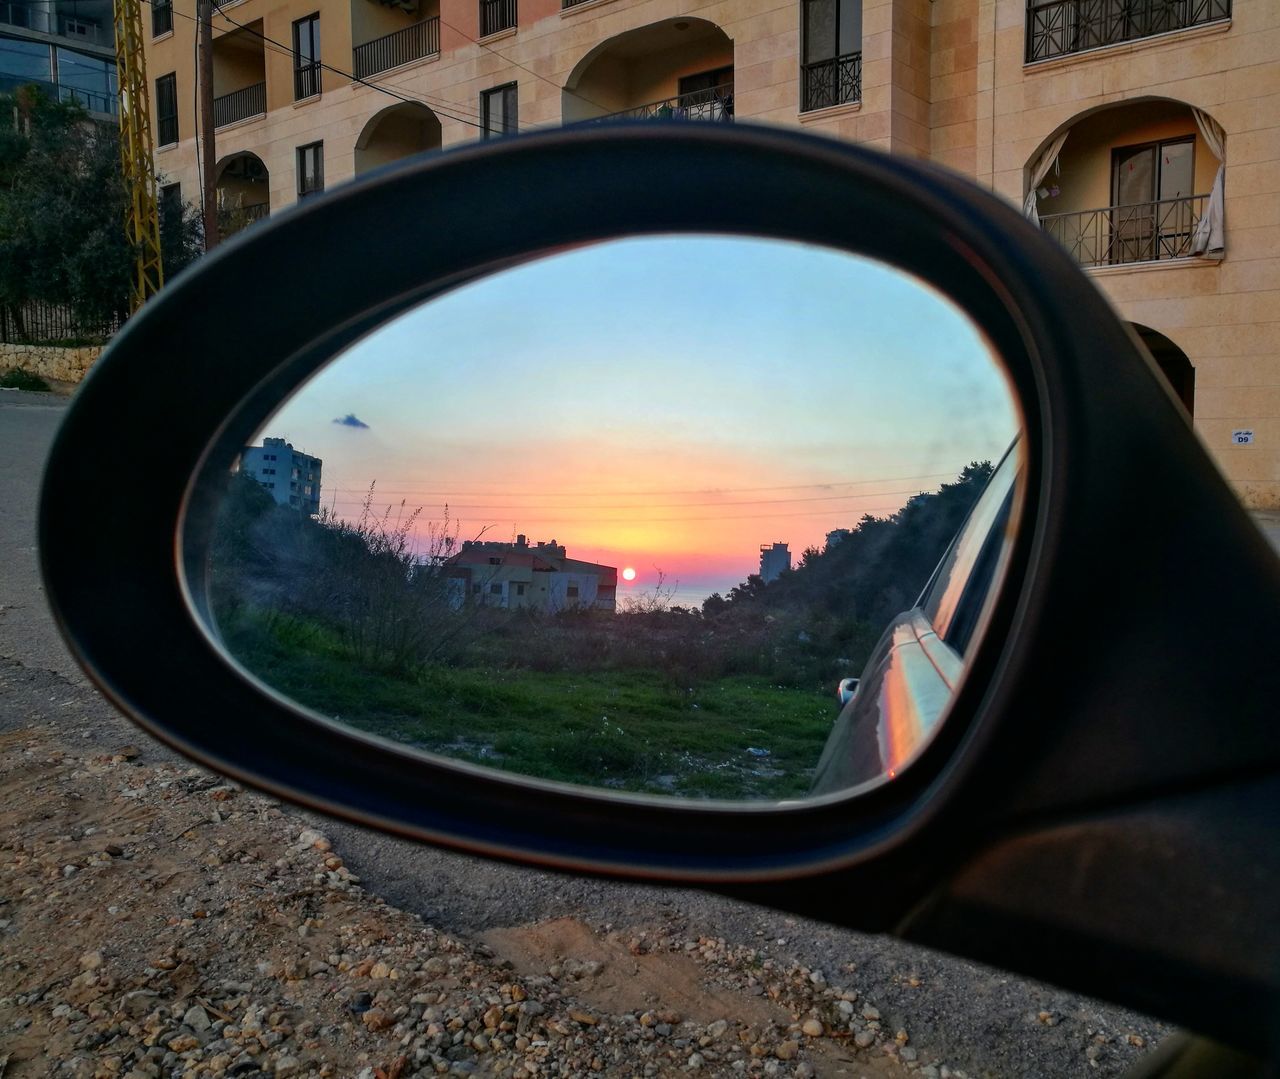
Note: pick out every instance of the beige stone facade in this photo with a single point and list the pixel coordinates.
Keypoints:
(947, 80)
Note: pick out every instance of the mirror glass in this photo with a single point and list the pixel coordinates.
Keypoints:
(632, 516)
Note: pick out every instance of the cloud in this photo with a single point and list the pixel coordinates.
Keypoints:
(351, 420)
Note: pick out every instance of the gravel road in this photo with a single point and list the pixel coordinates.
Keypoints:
(954, 1017)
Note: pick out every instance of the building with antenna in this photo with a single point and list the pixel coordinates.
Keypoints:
(1145, 140)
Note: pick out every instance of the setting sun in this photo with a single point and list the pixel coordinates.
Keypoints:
(628, 574)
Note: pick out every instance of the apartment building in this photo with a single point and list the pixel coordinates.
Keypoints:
(1143, 134)
(292, 478)
(65, 47)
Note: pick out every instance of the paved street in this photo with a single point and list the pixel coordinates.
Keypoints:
(956, 1012)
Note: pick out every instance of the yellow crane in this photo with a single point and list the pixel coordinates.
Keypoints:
(142, 218)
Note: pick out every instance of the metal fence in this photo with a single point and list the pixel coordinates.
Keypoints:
(496, 15)
(1115, 235)
(1063, 27)
(414, 42)
(39, 323)
(825, 83)
(240, 105)
(713, 103)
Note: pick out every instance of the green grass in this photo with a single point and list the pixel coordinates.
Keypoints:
(627, 730)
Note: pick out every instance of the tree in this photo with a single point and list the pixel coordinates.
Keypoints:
(62, 212)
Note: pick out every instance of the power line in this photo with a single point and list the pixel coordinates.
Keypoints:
(659, 494)
(284, 50)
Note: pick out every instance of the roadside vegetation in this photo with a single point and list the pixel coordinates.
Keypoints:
(733, 700)
(63, 247)
(18, 379)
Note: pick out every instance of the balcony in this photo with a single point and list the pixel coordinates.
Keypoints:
(1065, 27)
(240, 105)
(679, 68)
(92, 25)
(1118, 235)
(239, 76)
(827, 83)
(415, 42)
(496, 16)
(713, 103)
(235, 219)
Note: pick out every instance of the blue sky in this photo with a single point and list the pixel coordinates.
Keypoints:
(665, 403)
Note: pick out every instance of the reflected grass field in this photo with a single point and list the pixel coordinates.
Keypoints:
(735, 737)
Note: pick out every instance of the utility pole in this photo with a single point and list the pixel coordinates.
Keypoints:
(208, 159)
(142, 218)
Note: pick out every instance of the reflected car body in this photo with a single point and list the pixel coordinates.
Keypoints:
(916, 666)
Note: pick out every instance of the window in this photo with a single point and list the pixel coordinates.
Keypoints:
(167, 110)
(170, 200)
(306, 57)
(1152, 215)
(161, 17)
(519, 590)
(498, 110)
(495, 589)
(831, 61)
(496, 16)
(495, 561)
(310, 169)
(572, 592)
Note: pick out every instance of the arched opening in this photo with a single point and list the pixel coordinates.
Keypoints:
(244, 192)
(395, 133)
(1129, 184)
(1173, 364)
(681, 68)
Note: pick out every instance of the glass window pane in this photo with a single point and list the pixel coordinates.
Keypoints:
(1177, 174)
(850, 26)
(1134, 175)
(819, 30)
(21, 61)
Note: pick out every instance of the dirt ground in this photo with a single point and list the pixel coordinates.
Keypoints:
(156, 921)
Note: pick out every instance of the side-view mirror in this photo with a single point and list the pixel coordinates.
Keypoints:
(523, 526)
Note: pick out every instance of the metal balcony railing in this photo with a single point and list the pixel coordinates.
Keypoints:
(92, 100)
(1063, 27)
(240, 105)
(825, 83)
(306, 80)
(713, 103)
(232, 220)
(1115, 235)
(414, 42)
(496, 16)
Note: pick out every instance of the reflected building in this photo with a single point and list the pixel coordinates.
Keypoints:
(775, 560)
(290, 477)
(66, 50)
(541, 576)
